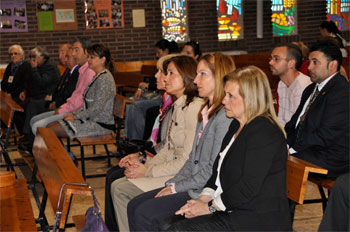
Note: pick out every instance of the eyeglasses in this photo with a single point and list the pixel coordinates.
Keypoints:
(13, 53)
(92, 57)
(276, 58)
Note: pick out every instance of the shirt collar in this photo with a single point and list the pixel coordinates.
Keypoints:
(72, 70)
(324, 82)
(84, 67)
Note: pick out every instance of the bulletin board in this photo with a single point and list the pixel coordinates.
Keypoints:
(56, 15)
(104, 14)
(13, 16)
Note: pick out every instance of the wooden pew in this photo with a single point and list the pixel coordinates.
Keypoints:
(133, 66)
(8, 107)
(56, 168)
(119, 113)
(297, 176)
(16, 212)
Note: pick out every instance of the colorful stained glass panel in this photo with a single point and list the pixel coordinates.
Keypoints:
(339, 12)
(174, 20)
(230, 19)
(284, 17)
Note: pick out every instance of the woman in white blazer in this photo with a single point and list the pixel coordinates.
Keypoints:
(181, 72)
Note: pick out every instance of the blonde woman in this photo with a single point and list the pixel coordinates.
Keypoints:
(247, 190)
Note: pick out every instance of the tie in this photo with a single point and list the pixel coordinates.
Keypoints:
(314, 96)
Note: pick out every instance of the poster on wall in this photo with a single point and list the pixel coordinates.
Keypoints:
(56, 15)
(13, 16)
(102, 14)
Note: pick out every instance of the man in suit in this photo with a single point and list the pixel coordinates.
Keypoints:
(318, 132)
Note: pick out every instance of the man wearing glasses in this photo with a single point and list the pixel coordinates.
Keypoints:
(284, 62)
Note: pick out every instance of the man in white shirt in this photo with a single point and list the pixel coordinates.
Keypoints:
(319, 130)
(284, 62)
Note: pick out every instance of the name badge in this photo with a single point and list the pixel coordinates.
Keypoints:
(10, 80)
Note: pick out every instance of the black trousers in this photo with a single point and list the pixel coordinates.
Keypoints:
(112, 175)
(336, 216)
(34, 107)
(146, 213)
(219, 221)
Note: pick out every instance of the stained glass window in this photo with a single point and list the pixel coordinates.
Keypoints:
(174, 20)
(339, 12)
(284, 17)
(230, 19)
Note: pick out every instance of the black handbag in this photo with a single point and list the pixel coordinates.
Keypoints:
(93, 217)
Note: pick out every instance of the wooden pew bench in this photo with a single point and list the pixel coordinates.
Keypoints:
(16, 212)
(56, 168)
(297, 176)
(8, 107)
(113, 138)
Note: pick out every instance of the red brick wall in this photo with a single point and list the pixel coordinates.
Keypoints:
(138, 43)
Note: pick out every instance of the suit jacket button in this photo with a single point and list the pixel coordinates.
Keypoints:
(196, 162)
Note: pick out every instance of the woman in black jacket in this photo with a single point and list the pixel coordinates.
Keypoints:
(247, 190)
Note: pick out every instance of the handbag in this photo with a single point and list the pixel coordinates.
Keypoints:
(93, 217)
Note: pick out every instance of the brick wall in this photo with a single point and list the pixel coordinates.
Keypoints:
(138, 43)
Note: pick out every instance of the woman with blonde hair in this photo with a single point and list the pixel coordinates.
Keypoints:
(147, 211)
(247, 190)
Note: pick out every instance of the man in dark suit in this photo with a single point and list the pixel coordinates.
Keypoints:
(318, 132)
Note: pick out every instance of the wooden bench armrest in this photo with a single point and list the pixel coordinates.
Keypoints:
(79, 221)
(297, 175)
(120, 104)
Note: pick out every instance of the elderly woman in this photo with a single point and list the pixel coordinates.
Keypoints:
(16, 74)
(14, 81)
(247, 190)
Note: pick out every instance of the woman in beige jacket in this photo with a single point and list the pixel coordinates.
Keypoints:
(181, 72)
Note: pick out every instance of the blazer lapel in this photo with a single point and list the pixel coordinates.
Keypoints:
(231, 131)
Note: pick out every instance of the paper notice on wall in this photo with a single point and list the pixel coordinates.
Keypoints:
(45, 21)
(138, 18)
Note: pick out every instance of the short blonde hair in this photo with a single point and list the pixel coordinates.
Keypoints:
(19, 48)
(255, 90)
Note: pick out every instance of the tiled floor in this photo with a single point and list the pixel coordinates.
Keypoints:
(307, 217)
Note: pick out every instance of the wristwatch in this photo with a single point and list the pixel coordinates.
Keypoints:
(211, 207)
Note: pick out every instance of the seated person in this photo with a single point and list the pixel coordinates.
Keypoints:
(157, 140)
(45, 77)
(96, 117)
(330, 29)
(76, 100)
(135, 113)
(63, 91)
(146, 211)
(178, 143)
(285, 61)
(192, 49)
(14, 81)
(336, 216)
(318, 132)
(247, 190)
(305, 53)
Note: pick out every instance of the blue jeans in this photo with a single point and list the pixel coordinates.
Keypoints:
(42, 120)
(135, 115)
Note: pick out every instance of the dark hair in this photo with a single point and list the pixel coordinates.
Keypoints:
(173, 47)
(294, 53)
(330, 27)
(330, 50)
(187, 67)
(164, 44)
(102, 51)
(196, 49)
(85, 43)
